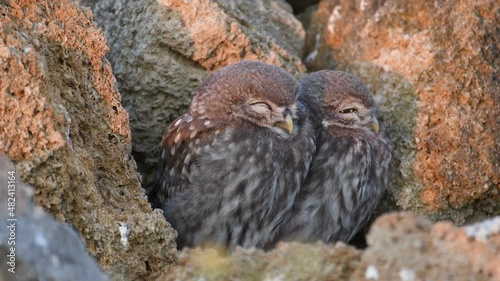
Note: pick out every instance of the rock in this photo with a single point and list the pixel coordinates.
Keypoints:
(434, 72)
(292, 261)
(404, 247)
(62, 124)
(401, 246)
(34, 246)
(162, 50)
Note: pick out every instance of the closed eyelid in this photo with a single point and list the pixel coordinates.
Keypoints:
(260, 103)
(261, 107)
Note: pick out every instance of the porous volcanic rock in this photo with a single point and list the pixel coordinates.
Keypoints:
(162, 49)
(404, 247)
(401, 246)
(33, 245)
(62, 124)
(433, 69)
(289, 261)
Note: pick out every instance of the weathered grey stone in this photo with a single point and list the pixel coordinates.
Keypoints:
(62, 124)
(404, 247)
(401, 246)
(289, 261)
(33, 245)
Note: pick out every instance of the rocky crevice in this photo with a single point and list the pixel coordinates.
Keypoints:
(64, 122)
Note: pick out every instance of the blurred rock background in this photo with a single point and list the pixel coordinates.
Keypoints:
(83, 131)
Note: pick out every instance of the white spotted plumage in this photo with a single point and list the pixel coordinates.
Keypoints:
(350, 170)
(233, 173)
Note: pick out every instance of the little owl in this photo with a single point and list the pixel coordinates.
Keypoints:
(232, 165)
(350, 169)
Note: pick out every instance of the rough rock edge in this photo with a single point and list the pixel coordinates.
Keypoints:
(401, 247)
(40, 245)
(63, 126)
(290, 261)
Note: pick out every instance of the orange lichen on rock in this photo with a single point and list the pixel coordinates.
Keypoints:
(62, 123)
(26, 125)
(228, 41)
(402, 245)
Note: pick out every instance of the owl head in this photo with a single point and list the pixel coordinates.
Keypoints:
(337, 99)
(250, 94)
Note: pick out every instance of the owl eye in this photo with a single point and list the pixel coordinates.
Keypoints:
(348, 110)
(261, 107)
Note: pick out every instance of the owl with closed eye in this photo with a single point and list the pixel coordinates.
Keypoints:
(231, 167)
(350, 170)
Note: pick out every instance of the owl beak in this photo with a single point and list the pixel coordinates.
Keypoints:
(287, 124)
(373, 125)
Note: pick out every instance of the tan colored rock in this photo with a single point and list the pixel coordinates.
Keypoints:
(33, 245)
(62, 124)
(162, 49)
(401, 246)
(404, 247)
(292, 261)
(434, 72)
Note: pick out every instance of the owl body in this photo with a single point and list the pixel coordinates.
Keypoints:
(350, 169)
(228, 169)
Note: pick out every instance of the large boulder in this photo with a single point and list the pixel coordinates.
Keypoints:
(162, 50)
(62, 124)
(404, 247)
(33, 245)
(401, 246)
(433, 69)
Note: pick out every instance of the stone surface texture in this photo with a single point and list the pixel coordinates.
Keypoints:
(39, 245)
(62, 124)
(162, 49)
(400, 247)
(433, 69)
(404, 247)
(289, 261)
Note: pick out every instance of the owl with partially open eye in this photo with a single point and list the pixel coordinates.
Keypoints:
(350, 169)
(231, 167)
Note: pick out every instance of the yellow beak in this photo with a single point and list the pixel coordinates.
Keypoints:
(287, 124)
(374, 126)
